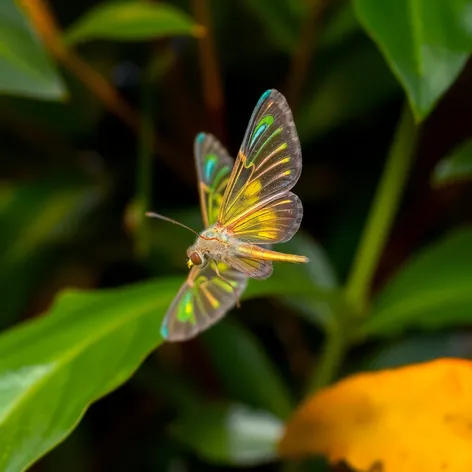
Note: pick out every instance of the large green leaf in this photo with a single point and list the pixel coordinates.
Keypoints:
(414, 38)
(456, 16)
(25, 68)
(245, 370)
(457, 166)
(131, 21)
(432, 290)
(230, 434)
(36, 219)
(52, 368)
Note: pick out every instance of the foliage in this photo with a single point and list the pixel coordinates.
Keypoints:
(455, 167)
(100, 103)
(26, 68)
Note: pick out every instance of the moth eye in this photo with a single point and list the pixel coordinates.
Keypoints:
(195, 258)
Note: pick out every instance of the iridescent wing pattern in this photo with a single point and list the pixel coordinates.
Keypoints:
(204, 297)
(251, 205)
(202, 300)
(257, 205)
(214, 166)
(275, 222)
(251, 267)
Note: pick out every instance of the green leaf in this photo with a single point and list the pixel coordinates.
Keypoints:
(131, 21)
(432, 290)
(229, 434)
(456, 16)
(25, 68)
(457, 166)
(36, 218)
(413, 36)
(443, 23)
(52, 368)
(245, 370)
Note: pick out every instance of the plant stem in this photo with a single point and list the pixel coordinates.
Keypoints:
(211, 80)
(144, 171)
(382, 213)
(330, 360)
(377, 228)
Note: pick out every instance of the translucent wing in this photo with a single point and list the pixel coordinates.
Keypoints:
(254, 268)
(267, 167)
(275, 222)
(213, 170)
(202, 300)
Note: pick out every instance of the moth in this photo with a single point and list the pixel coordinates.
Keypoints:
(246, 207)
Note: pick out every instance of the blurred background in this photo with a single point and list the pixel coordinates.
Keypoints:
(77, 173)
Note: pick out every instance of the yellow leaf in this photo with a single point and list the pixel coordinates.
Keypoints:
(411, 419)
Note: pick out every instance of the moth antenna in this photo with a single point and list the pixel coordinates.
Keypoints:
(151, 214)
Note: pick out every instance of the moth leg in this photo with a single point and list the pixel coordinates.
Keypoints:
(238, 305)
(192, 275)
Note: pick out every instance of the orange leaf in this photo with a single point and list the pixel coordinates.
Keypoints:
(411, 419)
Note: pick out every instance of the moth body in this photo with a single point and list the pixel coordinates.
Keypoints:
(213, 243)
(218, 244)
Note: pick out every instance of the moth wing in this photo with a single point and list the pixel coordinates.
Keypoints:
(202, 300)
(275, 222)
(268, 164)
(214, 166)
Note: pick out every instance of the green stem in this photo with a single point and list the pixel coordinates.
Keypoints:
(330, 360)
(382, 213)
(144, 172)
(377, 228)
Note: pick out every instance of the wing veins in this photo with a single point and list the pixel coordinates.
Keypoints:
(241, 190)
(272, 154)
(267, 212)
(276, 132)
(275, 164)
(249, 211)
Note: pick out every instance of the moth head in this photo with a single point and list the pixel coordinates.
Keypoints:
(195, 258)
